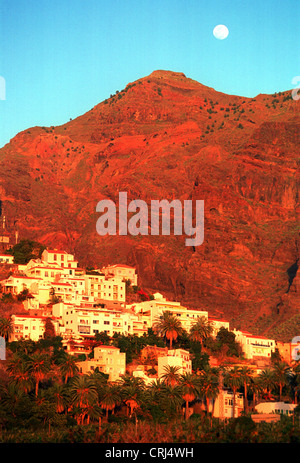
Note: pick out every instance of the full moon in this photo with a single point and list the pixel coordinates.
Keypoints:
(221, 32)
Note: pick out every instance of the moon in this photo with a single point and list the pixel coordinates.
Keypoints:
(221, 32)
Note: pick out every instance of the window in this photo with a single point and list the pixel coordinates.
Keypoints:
(106, 322)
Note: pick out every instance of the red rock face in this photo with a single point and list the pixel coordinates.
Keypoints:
(168, 137)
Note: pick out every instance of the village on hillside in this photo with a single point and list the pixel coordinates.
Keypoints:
(80, 304)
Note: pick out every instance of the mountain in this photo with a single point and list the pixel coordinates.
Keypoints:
(166, 136)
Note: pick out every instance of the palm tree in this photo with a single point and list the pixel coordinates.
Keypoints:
(58, 395)
(266, 379)
(201, 330)
(132, 389)
(38, 367)
(68, 367)
(209, 387)
(155, 391)
(168, 326)
(171, 377)
(233, 379)
(132, 397)
(246, 377)
(110, 397)
(6, 328)
(296, 375)
(282, 373)
(190, 389)
(83, 395)
(165, 397)
(171, 398)
(11, 395)
(18, 370)
(256, 388)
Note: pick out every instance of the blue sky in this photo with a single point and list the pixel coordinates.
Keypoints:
(61, 57)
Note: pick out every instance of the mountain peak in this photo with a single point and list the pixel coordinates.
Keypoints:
(163, 73)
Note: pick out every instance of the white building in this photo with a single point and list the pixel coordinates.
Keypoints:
(223, 405)
(217, 324)
(150, 311)
(255, 346)
(29, 327)
(108, 359)
(103, 288)
(62, 258)
(88, 321)
(175, 358)
(280, 408)
(17, 284)
(6, 259)
(123, 272)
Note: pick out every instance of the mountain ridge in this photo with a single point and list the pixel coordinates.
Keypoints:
(166, 136)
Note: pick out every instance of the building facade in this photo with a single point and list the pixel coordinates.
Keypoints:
(108, 359)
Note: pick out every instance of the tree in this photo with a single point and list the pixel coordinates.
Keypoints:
(26, 250)
(256, 388)
(162, 399)
(233, 379)
(190, 385)
(226, 339)
(201, 330)
(68, 367)
(18, 370)
(6, 327)
(110, 397)
(266, 380)
(132, 392)
(13, 400)
(246, 377)
(295, 379)
(209, 386)
(49, 328)
(58, 394)
(282, 373)
(171, 377)
(168, 326)
(38, 367)
(84, 397)
(103, 338)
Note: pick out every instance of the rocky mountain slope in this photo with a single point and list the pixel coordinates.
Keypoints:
(166, 136)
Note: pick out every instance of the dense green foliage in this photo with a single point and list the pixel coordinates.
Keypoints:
(44, 398)
(26, 250)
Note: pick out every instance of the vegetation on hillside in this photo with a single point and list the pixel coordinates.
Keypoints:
(44, 397)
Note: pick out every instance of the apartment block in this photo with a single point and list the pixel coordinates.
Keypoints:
(175, 358)
(255, 346)
(88, 321)
(123, 272)
(108, 359)
(29, 327)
